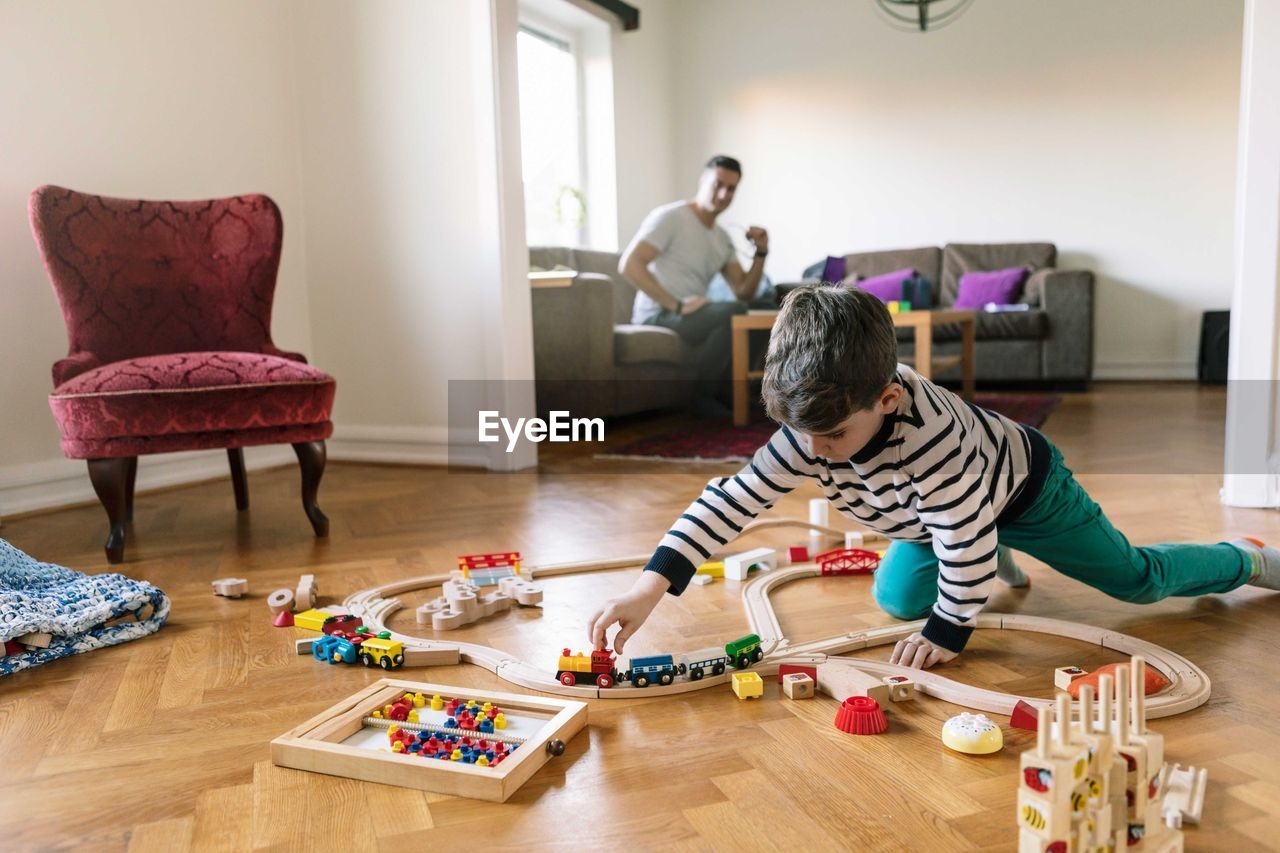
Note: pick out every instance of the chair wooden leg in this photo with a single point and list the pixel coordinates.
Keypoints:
(110, 478)
(131, 478)
(238, 480)
(311, 458)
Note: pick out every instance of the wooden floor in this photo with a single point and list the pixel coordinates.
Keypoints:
(162, 743)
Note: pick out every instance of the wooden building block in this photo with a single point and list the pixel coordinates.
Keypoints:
(304, 597)
(713, 569)
(35, 640)
(1184, 794)
(737, 566)
(1064, 675)
(303, 646)
(901, 688)
(230, 587)
(312, 620)
(840, 681)
(788, 668)
(280, 600)
(701, 580)
(797, 685)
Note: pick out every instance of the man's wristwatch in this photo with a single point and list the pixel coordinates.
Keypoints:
(763, 254)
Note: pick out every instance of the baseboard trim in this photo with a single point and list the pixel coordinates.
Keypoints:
(1163, 370)
(407, 446)
(57, 483)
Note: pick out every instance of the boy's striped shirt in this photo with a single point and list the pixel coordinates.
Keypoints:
(940, 470)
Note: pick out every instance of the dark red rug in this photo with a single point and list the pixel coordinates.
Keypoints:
(721, 441)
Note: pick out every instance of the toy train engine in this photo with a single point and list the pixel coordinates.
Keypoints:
(660, 668)
(596, 668)
(744, 651)
(699, 663)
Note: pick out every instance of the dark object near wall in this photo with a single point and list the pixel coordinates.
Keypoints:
(629, 15)
(1215, 341)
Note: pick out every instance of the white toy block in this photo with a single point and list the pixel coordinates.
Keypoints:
(853, 539)
(797, 685)
(819, 513)
(1184, 794)
(1064, 675)
(737, 566)
(701, 580)
(304, 597)
(230, 587)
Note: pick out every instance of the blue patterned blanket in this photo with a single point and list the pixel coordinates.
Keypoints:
(73, 607)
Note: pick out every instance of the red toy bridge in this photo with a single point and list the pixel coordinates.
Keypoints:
(848, 561)
(489, 561)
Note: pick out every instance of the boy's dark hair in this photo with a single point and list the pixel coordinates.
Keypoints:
(832, 352)
(720, 161)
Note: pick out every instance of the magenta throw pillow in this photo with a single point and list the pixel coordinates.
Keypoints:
(1003, 287)
(887, 287)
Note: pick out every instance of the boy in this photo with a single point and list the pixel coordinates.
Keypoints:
(953, 485)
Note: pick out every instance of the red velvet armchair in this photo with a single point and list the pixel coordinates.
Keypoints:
(168, 313)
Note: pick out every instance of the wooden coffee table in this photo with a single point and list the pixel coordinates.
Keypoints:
(924, 362)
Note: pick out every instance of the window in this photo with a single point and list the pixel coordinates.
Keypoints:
(551, 135)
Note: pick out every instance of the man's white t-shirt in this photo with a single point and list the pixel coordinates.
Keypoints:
(690, 255)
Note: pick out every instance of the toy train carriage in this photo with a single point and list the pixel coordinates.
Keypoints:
(698, 664)
(744, 651)
(596, 668)
(657, 668)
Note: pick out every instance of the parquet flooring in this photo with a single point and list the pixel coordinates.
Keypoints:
(161, 744)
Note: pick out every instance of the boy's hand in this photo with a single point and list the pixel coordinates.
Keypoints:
(918, 653)
(628, 611)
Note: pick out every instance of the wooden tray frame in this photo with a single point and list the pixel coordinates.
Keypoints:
(316, 745)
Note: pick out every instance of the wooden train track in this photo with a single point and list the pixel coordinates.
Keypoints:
(1188, 687)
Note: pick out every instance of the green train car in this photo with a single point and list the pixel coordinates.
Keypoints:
(744, 651)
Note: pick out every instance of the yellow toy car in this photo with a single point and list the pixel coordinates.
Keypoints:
(383, 651)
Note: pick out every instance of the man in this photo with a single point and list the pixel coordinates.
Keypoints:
(676, 254)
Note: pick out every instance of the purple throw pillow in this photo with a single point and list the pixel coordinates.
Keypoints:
(887, 287)
(999, 286)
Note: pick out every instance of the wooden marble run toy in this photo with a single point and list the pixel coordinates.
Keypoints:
(391, 733)
(1188, 686)
(1095, 782)
(462, 603)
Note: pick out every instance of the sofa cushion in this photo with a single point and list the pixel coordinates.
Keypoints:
(1003, 325)
(887, 287)
(960, 258)
(190, 393)
(635, 344)
(1002, 287)
(926, 261)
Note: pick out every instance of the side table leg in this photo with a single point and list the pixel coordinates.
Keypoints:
(924, 350)
(741, 364)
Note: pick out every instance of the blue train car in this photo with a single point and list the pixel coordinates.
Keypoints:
(660, 668)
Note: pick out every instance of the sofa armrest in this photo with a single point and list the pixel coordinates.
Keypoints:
(1067, 298)
(573, 330)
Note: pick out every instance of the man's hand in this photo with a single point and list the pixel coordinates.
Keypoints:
(689, 304)
(918, 653)
(627, 611)
(759, 237)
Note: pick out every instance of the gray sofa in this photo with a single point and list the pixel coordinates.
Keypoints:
(1051, 342)
(588, 358)
(591, 361)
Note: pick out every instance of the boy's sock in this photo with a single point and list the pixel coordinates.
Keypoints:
(1007, 570)
(1265, 560)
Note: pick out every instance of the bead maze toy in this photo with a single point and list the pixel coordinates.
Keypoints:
(1188, 686)
(407, 734)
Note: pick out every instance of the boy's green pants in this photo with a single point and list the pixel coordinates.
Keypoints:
(1065, 529)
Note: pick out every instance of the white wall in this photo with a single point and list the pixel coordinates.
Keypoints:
(134, 98)
(402, 237)
(1108, 128)
(644, 86)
